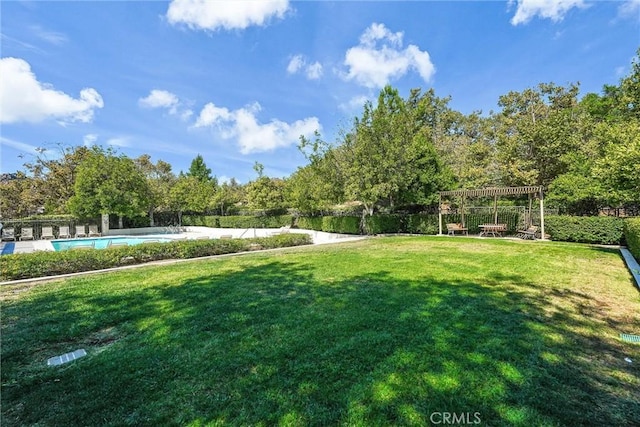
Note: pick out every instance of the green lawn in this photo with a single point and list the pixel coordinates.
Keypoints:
(387, 331)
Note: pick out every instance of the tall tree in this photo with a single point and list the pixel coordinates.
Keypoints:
(53, 171)
(160, 179)
(107, 183)
(199, 169)
(534, 131)
(190, 194)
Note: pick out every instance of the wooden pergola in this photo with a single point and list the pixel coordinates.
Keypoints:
(495, 192)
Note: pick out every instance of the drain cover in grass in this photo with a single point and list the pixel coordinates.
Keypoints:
(67, 357)
(630, 338)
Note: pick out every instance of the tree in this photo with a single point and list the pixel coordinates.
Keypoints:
(266, 193)
(107, 183)
(160, 179)
(619, 169)
(16, 191)
(54, 176)
(199, 170)
(190, 194)
(534, 131)
(228, 194)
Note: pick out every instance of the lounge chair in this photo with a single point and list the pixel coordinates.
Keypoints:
(529, 233)
(47, 233)
(26, 233)
(8, 234)
(81, 231)
(63, 232)
(93, 231)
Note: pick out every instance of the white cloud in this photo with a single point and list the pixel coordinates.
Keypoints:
(250, 135)
(314, 71)
(229, 15)
(629, 9)
(379, 58)
(24, 99)
(355, 104)
(89, 139)
(163, 99)
(159, 99)
(298, 63)
(18, 145)
(51, 37)
(379, 32)
(555, 10)
(119, 141)
(295, 64)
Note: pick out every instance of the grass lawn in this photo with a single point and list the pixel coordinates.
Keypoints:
(387, 331)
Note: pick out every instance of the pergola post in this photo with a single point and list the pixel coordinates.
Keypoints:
(542, 214)
(462, 212)
(439, 215)
(495, 209)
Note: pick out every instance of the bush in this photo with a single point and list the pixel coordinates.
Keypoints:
(216, 221)
(632, 236)
(379, 224)
(341, 224)
(422, 224)
(40, 264)
(310, 223)
(585, 229)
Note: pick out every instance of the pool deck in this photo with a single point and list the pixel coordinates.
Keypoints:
(190, 233)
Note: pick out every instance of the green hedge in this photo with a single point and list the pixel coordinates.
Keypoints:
(396, 223)
(40, 264)
(309, 223)
(606, 230)
(330, 224)
(632, 236)
(216, 221)
(341, 224)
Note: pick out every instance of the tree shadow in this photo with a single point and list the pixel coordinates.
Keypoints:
(275, 343)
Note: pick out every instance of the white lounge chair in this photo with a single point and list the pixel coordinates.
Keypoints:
(63, 232)
(47, 233)
(9, 234)
(26, 233)
(81, 231)
(93, 231)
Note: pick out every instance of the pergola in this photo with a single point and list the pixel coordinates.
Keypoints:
(495, 192)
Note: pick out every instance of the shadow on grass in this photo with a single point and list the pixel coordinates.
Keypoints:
(272, 344)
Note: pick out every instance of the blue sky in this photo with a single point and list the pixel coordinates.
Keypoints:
(238, 82)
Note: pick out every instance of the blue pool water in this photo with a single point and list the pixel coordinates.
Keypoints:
(103, 242)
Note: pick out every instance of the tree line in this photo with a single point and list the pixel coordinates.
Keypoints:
(397, 155)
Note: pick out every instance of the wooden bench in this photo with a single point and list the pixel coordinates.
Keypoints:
(453, 227)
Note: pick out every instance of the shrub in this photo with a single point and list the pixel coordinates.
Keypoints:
(216, 221)
(422, 224)
(40, 264)
(341, 224)
(585, 229)
(378, 224)
(632, 236)
(310, 223)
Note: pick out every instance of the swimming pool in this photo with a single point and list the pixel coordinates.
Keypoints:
(104, 242)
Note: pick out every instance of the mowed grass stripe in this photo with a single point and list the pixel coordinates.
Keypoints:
(379, 332)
